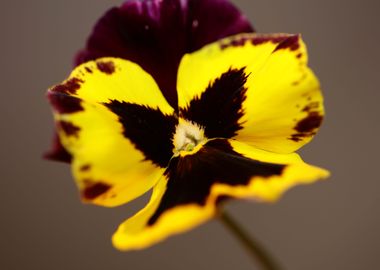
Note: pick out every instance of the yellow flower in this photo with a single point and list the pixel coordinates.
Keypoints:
(246, 103)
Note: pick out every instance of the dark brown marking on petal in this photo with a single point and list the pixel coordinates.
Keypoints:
(94, 189)
(307, 127)
(292, 43)
(255, 40)
(298, 137)
(71, 86)
(310, 123)
(85, 168)
(219, 108)
(148, 129)
(311, 107)
(106, 67)
(57, 151)
(264, 39)
(191, 178)
(236, 42)
(69, 128)
(63, 103)
(89, 70)
(303, 77)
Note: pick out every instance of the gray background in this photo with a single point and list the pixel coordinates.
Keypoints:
(329, 225)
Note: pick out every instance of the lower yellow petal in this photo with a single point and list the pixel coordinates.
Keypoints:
(136, 233)
(270, 189)
(193, 185)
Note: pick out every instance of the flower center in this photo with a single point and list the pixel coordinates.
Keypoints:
(187, 136)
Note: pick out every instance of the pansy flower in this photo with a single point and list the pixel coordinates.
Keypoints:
(155, 34)
(244, 105)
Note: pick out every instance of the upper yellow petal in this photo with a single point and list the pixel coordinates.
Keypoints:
(281, 107)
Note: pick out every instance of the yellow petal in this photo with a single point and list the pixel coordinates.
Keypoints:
(258, 87)
(136, 232)
(194, 184)
(114, 79)
(296, 172)
(116, 156)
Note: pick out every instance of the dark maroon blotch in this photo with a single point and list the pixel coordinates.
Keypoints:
(264, 39)
(69, 128)
(148, 129)
(71, 86)
(307, 126)
(220, 107)
(63, 103)
(57, 151)
(236, 42)
(106, 67)
(93, 189)
(310, 123)
(255, 40)
(291, 43)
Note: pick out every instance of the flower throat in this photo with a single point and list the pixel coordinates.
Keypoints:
(187, 137)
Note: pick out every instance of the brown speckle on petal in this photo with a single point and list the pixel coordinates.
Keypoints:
(85, 168)
(255, 40)
(310, 123)
(307, 126)
(291, 43)
(264, 39)
(63, 103)
(106, 67)
(295, 83)
(311, 106)
(301, 79)
(93, 189)
(69, 128)
(71, 86)
(89, 70)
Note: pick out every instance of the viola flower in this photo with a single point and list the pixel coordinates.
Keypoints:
(246, 103)
(155, 34)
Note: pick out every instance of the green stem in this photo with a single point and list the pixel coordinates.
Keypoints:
(256, 251)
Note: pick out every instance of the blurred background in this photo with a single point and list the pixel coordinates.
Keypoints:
(333, 224)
